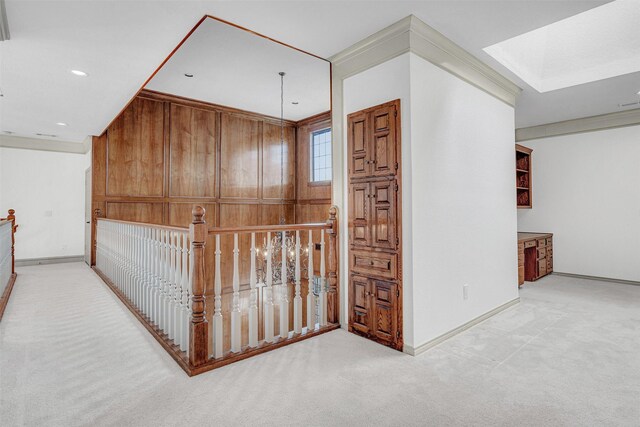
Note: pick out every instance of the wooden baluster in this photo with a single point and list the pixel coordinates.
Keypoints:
(199, 333)
(284, 291)
(253, 297)
(297, 299)
(322, 318)
(311, 298)
(217, 315)
(333, 298)
(236, 316)
(268, 305)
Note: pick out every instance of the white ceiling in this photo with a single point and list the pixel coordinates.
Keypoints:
(600, 43)
(238, 69)
(121, 42)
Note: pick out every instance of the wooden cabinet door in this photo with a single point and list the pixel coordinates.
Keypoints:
(359, 305)
(384, 311)
(358, 142)
(383, 141)
(359, 215)
(383, 214)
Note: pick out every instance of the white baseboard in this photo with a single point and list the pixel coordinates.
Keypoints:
(414, 351)
(601, 279)
(49, 260)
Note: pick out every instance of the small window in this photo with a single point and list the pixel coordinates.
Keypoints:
(321, 155)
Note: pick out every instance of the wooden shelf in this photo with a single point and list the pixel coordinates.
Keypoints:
(523, 176)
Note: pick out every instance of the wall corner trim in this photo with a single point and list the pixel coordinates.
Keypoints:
(410, 34)
(414, 351)
(24, 143)
(585, 124)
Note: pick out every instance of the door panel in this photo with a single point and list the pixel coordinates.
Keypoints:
(384, 311)
(375, 286)
(383, 152)
(383, 217)
(359, 296)
(358, 141)
(360, 233)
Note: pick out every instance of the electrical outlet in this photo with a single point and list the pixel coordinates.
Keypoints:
(465, 291)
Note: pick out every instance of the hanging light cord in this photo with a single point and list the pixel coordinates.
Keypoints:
(282, 220)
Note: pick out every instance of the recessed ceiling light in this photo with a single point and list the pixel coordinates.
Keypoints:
(188, 75)
(295, 102)
(639, 92)
(61, 124)
(79, 73)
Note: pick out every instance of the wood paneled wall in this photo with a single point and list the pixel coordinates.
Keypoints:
(313, 199)
(164, 153)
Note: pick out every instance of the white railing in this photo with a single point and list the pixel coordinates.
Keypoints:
(151, 267)
(220, 294)
(6, 258)
(276, 265)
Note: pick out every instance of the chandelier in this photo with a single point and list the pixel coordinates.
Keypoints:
(282, 240)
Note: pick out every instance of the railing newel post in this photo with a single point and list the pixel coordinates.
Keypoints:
(12, 217)
(333, 295)
(199, 330)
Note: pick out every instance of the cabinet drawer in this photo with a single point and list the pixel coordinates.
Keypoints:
(542, 267)
(542, 243)
(529, 244)
(374, 264)
(542, 252)
(549, 265)
(549, 241)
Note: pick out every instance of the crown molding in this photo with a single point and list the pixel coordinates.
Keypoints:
(585, 124)
(412, 35)
(24, 143)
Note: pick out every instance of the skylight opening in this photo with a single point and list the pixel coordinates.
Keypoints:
(594, 45)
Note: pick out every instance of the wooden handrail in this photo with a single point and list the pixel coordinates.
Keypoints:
(272, 228)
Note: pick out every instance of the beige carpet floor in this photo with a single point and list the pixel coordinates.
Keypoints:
(568, 354)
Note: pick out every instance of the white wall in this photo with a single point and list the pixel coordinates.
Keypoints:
(586, 190)
(465, 221)
(33, 182)
(377, 85)
(459, 217)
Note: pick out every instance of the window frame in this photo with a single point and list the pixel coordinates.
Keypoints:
(318, 131)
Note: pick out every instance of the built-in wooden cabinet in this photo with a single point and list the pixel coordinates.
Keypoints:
(535, 256)
(523, 176)
(375, 287)
(374, 311)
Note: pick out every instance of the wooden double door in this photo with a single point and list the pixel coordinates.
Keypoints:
(375, 285)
